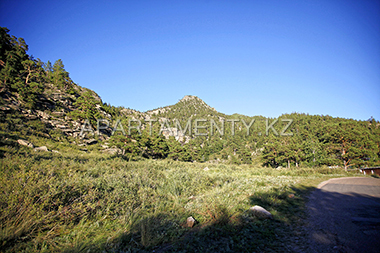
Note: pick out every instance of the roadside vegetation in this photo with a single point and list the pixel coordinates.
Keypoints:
(92, 202)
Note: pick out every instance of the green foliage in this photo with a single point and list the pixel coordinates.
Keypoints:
(323, 140)
(144, 145)
(86, 108)
(59, 77)
(19, 72)
(349, 142)
(112, 110)
(178, 152)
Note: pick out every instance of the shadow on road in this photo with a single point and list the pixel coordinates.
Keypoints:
(345, 217)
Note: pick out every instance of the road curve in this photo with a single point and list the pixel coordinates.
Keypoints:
(344, 216)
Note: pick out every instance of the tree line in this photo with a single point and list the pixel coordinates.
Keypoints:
(311, 140)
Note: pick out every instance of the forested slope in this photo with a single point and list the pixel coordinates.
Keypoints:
(39, 102)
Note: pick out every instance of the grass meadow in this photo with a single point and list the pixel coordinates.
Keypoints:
(91, 202)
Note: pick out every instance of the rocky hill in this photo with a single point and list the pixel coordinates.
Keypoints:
(188, 106)
(42, 108)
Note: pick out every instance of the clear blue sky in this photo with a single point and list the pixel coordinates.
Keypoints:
(250, 57)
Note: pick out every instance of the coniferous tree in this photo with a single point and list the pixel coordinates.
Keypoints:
(19, 73)
(86, 108)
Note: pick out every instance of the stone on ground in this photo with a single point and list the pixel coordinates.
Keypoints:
(261, 212)
(190, 222)
(25, 143)
(42, 148)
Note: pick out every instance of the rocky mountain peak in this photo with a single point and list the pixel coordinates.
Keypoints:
(188, 98)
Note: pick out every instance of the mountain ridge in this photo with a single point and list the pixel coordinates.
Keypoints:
(40, 103)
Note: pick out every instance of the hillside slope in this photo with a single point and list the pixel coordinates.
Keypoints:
(40, 103)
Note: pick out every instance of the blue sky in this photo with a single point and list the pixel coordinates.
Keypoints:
(249, 57)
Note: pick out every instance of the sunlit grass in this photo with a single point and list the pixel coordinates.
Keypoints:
(78, 202)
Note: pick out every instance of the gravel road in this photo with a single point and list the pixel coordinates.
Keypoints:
(344, 216)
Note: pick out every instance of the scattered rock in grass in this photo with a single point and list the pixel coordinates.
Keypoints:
(43, 115)
(261, 212)
(42, 148)
(190, 222)
(55, 151)
(25, 143)
(113, 151)
(91, 142)
(206, 169)
(191, 197)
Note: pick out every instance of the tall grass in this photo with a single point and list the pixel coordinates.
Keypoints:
(97, 203)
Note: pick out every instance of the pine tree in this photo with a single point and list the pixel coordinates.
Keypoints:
(86, 108)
